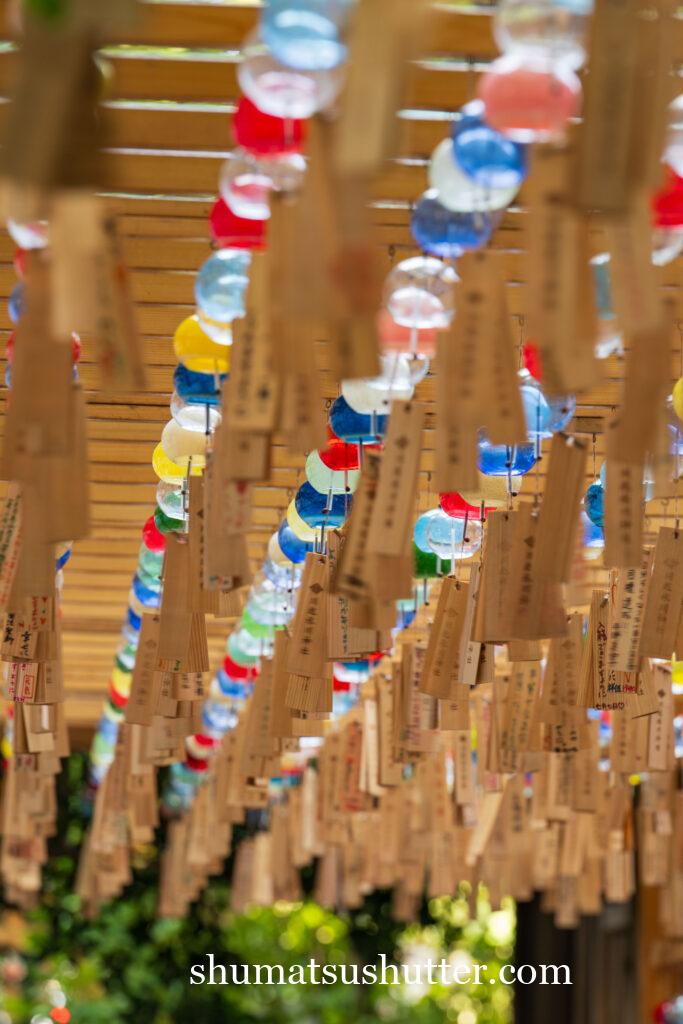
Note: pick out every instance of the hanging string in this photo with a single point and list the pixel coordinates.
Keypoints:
(288, 129)
(425, 592)
(537, 485)
(471, 79)
(677, 456)
(347, 488)
(288, 597)
(186, 489)
(458, 574)
(520, 344)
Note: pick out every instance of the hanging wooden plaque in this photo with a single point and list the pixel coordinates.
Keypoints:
(352, 576)
(306, 650)
(493, 619)
(626, 616)
(633, 276)
(558, 254)
(251, 392)
(119, 350)
(141, 704)
(559, 514)
(63, 479)
(454, 711)
(175, 619)
(633, 434)
(664, 596)
(10, 541)
(624, 495)
(385, 36)
(441, 663)
(602, 174)
(539, 613)
(52, 123)
(391, 525)
(302, 421)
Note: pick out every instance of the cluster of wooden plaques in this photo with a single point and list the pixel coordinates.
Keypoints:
(470, 755)
(395, 796)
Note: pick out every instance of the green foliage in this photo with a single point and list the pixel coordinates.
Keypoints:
(47, 8)
(127, 966)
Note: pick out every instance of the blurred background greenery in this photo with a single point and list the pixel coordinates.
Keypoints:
(127, 966)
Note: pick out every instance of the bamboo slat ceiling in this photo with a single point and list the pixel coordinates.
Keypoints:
(173, 90)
